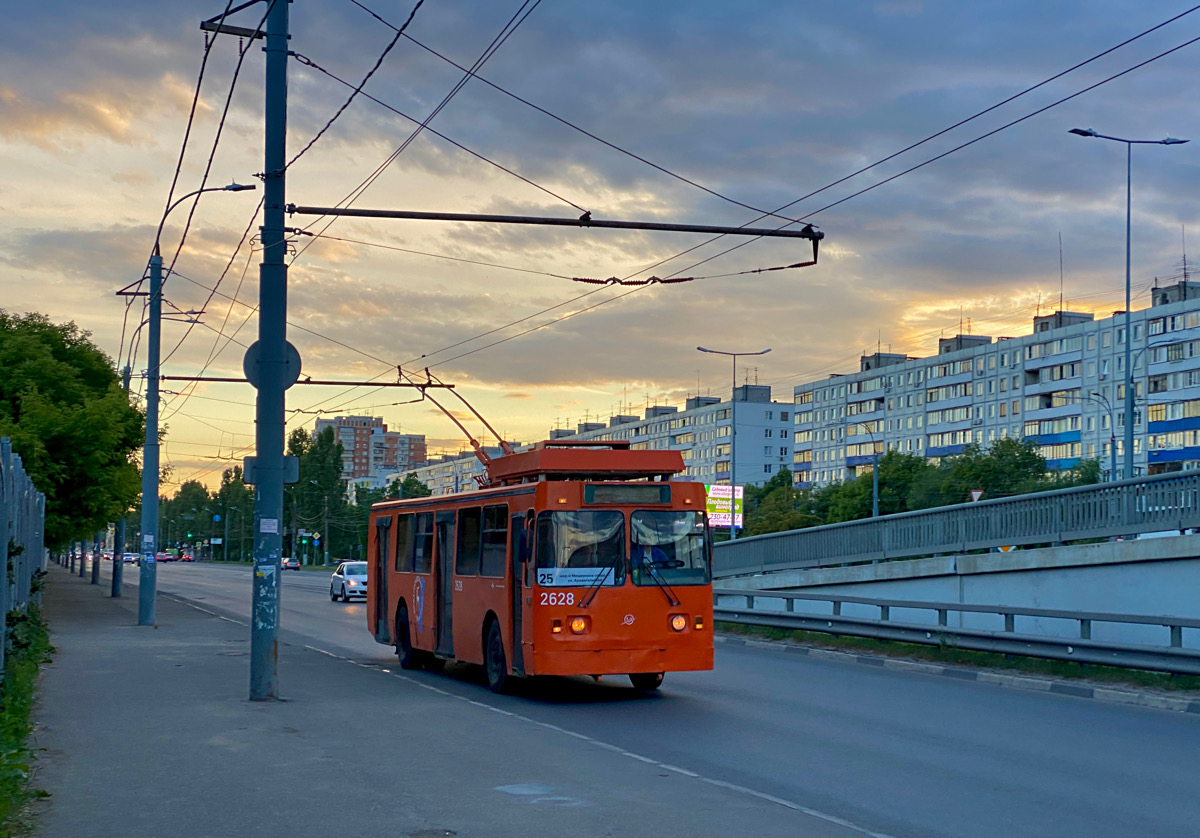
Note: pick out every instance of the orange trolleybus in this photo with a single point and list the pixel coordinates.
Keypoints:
(574, 558)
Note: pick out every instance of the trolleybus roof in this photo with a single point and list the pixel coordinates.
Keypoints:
(583, 460)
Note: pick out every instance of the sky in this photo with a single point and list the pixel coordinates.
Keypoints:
(762, 102)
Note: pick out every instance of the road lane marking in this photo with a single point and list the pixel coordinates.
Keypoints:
(724, 784)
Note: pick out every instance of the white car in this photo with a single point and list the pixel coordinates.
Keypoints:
(349, 580)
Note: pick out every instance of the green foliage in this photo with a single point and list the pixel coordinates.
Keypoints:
(317, 503)
(909, 482)
(62, 404)
(414, 488)
(28, 648)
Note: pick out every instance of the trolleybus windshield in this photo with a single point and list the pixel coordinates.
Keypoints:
(672, 546)
(581, 549)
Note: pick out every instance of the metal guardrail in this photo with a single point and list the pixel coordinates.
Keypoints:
(1172, 657)
(23, 521)
(1125, 507)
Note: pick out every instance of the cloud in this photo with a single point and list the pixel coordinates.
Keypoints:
(761, 101)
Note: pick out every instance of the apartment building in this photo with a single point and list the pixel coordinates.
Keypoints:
(703, 432)
(1062, 386)
(370, 450)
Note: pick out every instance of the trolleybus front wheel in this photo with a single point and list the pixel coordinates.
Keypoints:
(646, 681)
(499, 681)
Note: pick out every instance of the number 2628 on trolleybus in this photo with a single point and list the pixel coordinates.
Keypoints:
(572, 559)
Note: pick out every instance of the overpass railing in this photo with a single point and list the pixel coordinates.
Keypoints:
(1125, 507)
(1158, 642)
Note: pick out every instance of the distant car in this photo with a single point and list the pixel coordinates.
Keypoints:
(289, 564)
(186, 557)
(350, 579)
(130, 558)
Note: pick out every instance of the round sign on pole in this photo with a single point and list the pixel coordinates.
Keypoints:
(291, 372)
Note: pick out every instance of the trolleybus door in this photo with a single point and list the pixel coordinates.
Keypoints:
(445, 583)
(518, 548)
(383, 629)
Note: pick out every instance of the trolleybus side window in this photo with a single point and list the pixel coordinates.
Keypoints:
(669, 546)
(404, 543)
(495, 540)
(466, 559)
(423, 543)
(581, 548)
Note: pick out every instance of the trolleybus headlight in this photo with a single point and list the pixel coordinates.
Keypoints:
(678, 622)
(579, 625)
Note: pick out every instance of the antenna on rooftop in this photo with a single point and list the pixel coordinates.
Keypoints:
(1060, 272)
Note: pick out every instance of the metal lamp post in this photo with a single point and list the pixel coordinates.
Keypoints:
(874, 470)
(1129, 408)
(148, 576)
(1102, 400)
(732, 432)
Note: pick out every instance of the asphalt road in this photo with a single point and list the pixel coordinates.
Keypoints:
(896, 753)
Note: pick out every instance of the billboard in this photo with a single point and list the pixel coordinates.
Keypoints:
(717, 504)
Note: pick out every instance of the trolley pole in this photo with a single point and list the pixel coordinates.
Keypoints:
(266, 367)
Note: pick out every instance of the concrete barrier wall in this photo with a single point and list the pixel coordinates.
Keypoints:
(1159, 576)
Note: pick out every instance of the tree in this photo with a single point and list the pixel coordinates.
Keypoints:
(235, 500)
(62, 404)
(185, 518)
(414, 488)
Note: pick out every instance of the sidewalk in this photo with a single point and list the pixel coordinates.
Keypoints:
(147, 731)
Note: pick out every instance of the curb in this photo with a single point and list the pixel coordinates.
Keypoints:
(1111, 695)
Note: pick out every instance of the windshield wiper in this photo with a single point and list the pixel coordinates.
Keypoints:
(663, 586)
(594, 588)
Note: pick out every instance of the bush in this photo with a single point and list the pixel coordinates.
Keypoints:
(28, 648)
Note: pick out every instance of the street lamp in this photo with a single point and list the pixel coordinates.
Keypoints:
(732, 432)
(148, 576)
(1101, 399)
(874, 469)
(1129, 144)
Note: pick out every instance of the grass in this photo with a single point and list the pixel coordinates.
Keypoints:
(29, 647)
(990, 660)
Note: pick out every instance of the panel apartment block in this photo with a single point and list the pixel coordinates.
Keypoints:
(1062, 386)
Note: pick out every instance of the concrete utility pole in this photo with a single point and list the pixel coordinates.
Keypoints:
(325, 537)
(267, 367)
(118, 570)
(148, 578)
(97, 547)
(225, 541)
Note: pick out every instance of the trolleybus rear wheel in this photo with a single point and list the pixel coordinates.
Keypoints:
(646, 681)
(409, 659)
(498, 678)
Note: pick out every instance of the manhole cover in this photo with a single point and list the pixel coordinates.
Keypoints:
(432, 833)
(233, 654)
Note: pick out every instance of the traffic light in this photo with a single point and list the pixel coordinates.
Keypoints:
(189, 535)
